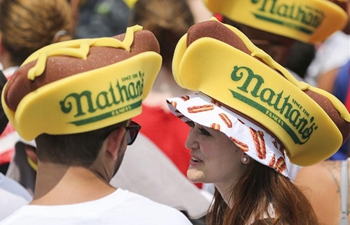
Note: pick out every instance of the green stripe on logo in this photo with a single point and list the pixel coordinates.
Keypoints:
(268, 113)
(112, 113)
(283, 23)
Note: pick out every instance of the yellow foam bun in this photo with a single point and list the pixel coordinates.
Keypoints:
(309, 21)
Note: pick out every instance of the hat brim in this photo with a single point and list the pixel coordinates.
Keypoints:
(254, 140)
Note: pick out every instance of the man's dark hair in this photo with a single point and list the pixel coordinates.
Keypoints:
(79, 149)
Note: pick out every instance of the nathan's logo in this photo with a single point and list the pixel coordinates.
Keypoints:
(88, 102)
(295, 16)
(281, 108)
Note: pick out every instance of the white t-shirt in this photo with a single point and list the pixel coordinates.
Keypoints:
(120, 207)
(12, 196)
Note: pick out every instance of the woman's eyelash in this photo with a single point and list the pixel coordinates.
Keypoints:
(201, 129)
(204, 132)
(190, 123)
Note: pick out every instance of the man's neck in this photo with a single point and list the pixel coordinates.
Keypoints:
(58, 185)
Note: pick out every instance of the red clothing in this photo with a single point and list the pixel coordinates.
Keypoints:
(8, 137)
(168, 132)
(7, 151)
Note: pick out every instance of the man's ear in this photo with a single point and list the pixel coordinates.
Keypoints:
(114, 141)
(32, 157)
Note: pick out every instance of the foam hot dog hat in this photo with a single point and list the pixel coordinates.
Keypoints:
(255, 101)
(82, 85)
(309, 21)
(3, 118)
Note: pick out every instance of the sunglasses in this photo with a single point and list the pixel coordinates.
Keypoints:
(132, 131)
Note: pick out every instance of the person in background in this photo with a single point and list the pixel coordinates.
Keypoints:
(336, 78)
(331, 54)
(300, 57)
(241, 131)
(199, 10)
(53, 22)
(12, 194)
(327, 187)
(101, 18)
(272, 31)
(327, 183)
(342, 91)
(77, 100)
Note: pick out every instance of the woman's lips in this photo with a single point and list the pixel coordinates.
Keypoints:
(195, 161)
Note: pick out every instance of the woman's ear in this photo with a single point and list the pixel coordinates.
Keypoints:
(245, 159)
(114, 141)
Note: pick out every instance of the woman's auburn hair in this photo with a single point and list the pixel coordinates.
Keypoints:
(259, 188)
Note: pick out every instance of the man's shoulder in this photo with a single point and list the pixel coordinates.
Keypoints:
(154, 209)
(15, 218)
(121, 207)
(137, 199)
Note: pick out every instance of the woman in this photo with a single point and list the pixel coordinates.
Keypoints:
(245, 120)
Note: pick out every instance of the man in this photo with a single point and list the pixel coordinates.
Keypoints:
(77, 99)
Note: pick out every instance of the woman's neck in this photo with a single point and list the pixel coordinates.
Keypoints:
(225, 192)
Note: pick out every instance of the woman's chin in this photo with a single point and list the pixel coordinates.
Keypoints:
(195, 175)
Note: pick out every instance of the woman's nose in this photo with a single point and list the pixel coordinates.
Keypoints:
(191, 142)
